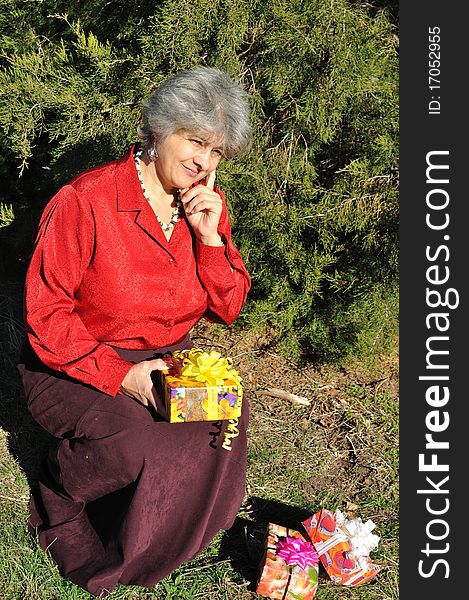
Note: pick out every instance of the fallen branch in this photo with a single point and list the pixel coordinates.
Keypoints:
(283, 395)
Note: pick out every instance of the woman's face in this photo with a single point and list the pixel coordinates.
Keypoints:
(185, 158)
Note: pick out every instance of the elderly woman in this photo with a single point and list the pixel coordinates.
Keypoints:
(128, 257)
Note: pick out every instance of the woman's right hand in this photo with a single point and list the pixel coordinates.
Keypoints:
(138, 383)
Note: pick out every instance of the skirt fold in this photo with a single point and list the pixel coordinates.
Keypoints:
(127, 497)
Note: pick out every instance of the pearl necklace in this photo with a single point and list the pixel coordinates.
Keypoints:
(177, 209)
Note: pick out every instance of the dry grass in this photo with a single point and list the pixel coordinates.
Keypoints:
(339, 452)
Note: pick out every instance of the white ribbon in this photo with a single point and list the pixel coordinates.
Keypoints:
(359, 535)
(333, 540)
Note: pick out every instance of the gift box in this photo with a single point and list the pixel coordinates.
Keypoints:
(289, 570)
(200, 386)
(343, 546)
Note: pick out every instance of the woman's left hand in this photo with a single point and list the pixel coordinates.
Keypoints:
(203, 208)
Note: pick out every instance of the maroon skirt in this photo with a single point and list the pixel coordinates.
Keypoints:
(124, 496)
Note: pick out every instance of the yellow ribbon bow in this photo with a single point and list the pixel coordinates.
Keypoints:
(210, 368)
(207, 370)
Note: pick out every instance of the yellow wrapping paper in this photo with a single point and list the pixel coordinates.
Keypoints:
(206, 387)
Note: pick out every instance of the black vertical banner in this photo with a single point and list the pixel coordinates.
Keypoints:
(434, 241)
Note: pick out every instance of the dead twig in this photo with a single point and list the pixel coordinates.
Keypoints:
(20, 499)
(212, 342)
(208, 565)
(283, 395)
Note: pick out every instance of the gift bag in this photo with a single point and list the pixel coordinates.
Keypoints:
(289, 569)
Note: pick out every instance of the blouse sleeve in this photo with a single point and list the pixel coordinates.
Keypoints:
(223, 274)
(63, 250)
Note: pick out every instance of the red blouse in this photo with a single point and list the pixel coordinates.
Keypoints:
(103, 274)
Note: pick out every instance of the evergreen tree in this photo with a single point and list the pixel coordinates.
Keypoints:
(314, 205)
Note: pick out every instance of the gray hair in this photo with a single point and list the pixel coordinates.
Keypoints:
(203, 101)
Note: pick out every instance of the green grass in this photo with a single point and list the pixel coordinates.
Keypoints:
(340, 452)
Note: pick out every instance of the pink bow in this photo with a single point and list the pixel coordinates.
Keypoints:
(296, 551)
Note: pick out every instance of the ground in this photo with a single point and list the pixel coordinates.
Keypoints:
(341, 451)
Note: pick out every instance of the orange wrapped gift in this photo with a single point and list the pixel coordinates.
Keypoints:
(290, 565)
(343, 546)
